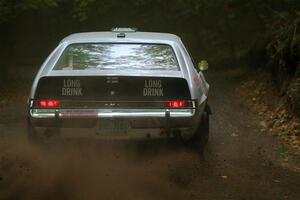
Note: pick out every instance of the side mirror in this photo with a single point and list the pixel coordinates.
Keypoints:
(203, 65)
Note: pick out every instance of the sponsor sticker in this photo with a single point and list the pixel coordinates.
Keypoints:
(153, 88)
(71, 87)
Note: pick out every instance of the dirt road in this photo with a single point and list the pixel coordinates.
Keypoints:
(240, 162)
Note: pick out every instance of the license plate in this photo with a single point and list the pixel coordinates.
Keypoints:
(111, 126)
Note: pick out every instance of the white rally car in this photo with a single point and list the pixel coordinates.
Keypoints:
(120, 84)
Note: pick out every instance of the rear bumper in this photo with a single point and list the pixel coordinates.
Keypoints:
(163, 122)
(154, 118)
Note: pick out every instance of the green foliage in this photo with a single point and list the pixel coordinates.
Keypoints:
(283, 151)
(10, 9)
(36, 4)
(81, 8)
(283, 54)
(226, 31)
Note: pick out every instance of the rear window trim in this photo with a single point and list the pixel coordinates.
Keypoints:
(134, 43)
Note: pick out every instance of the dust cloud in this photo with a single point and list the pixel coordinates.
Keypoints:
(93, 169)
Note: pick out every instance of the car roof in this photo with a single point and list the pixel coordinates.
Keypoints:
(114, 36)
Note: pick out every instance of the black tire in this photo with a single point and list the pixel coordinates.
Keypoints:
(41, 137)
(200, 138)
(31, 133)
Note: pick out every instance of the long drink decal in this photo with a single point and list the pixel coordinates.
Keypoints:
(71, 88)
(153, 88)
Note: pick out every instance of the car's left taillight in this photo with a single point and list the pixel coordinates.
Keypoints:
(48, 103)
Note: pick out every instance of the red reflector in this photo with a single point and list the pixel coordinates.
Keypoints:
(49, 104)
(176, 104)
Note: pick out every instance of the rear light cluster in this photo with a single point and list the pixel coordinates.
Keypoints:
(57, 104)
(176, 104)
(49, 104)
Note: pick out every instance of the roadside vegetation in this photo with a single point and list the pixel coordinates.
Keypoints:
(273, 91)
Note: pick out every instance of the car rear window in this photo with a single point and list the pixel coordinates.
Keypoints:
(108, 56)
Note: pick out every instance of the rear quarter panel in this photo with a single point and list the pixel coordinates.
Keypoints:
(198, 86)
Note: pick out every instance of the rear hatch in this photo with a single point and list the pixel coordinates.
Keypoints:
(113, 91)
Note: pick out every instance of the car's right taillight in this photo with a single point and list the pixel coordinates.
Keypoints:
(176, 104)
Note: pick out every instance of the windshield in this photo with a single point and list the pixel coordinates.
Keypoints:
(108, 56)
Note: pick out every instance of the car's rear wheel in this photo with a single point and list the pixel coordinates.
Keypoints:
(31, 133)
(200, 138)
(37, 136)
